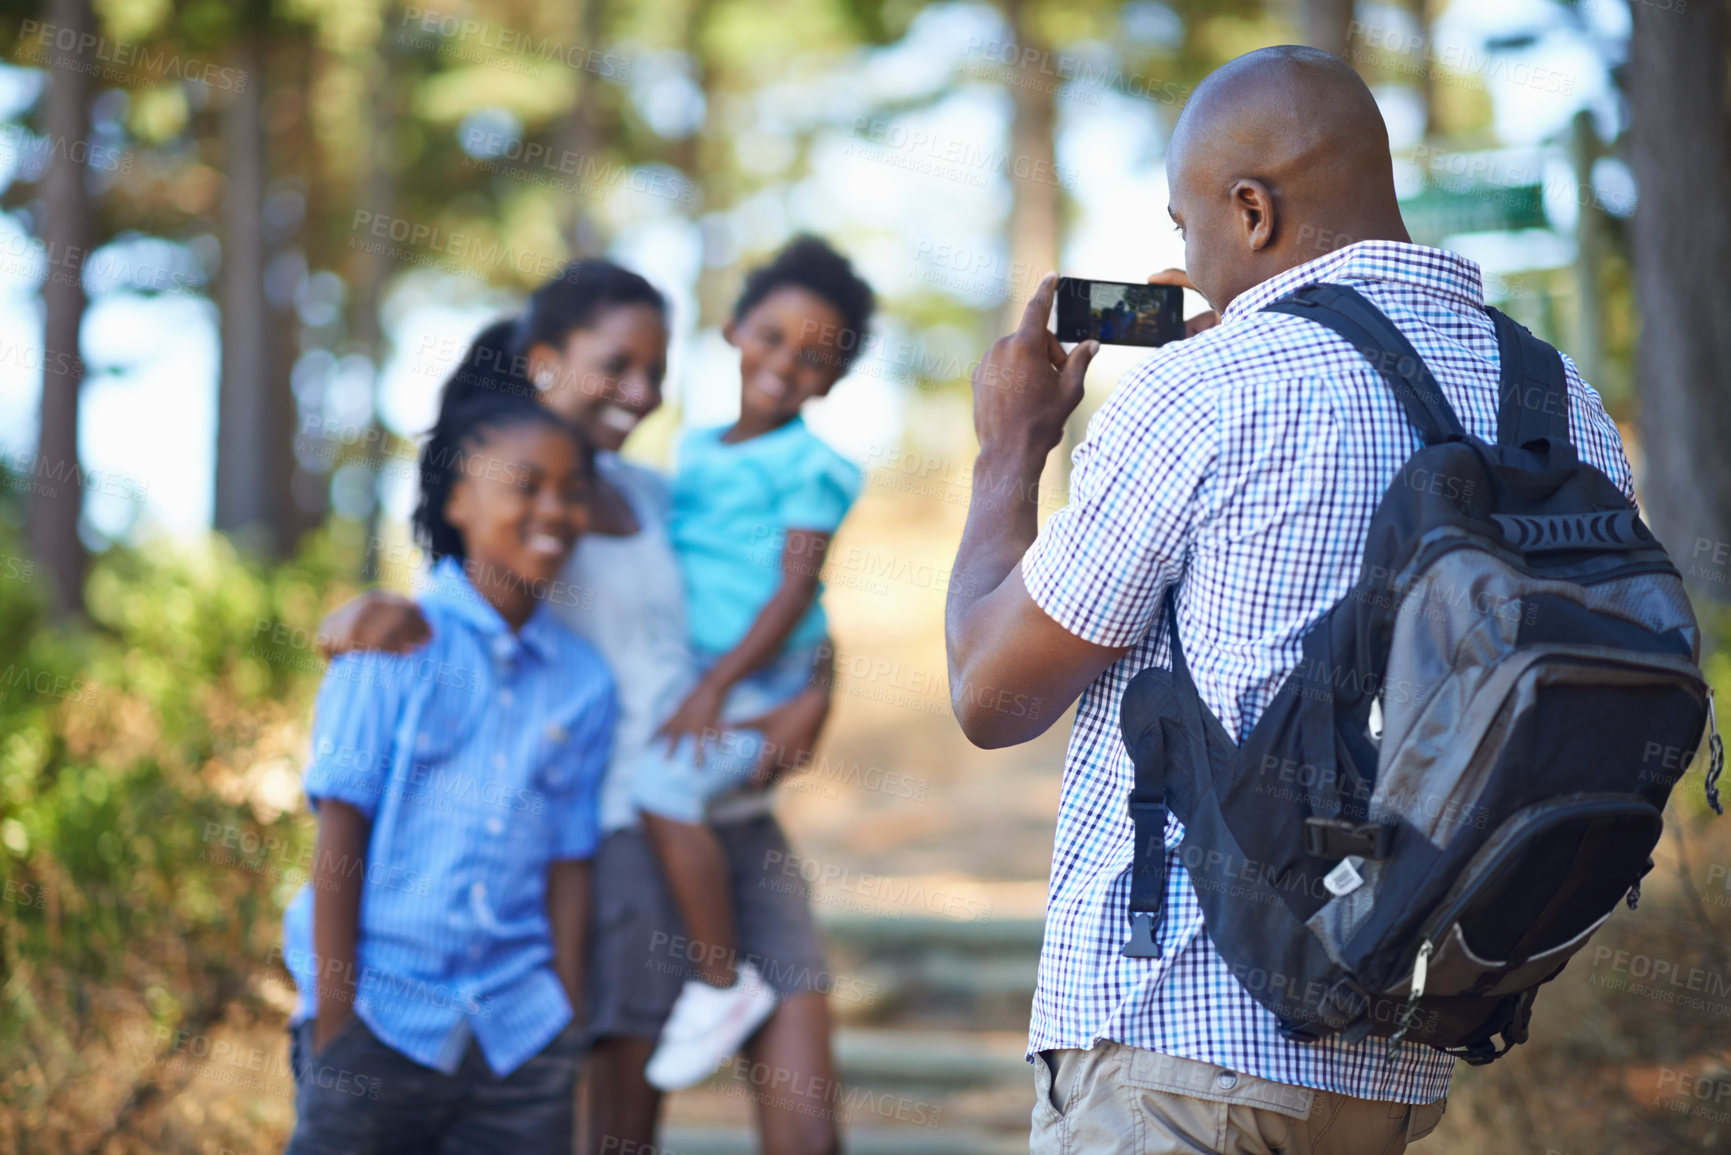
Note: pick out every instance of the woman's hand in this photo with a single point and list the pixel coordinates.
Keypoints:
(791, 730)
(698, 717)
(1200, 321)
(377, 620)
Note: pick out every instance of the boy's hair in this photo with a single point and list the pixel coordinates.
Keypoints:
(445, 457)
(497, 361)
(809, 263)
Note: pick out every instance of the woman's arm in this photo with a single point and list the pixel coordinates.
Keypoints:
(568, 915)
(339, 872)
(801, 561)
(376, 620)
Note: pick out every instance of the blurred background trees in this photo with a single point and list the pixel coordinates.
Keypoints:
(243, 241)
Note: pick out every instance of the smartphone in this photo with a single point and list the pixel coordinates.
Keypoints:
(1116, 313)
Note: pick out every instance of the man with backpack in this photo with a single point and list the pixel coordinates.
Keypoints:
(1226, 497)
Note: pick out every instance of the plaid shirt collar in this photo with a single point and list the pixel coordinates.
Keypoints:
(1448, 275)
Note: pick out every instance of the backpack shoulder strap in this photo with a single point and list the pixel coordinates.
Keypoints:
(1348, 313)
(1533, 390)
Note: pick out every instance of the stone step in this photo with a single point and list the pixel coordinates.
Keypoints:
(860, 1141)
(929, 1058)
(876, 933)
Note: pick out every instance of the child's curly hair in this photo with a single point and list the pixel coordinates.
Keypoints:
(809, 262)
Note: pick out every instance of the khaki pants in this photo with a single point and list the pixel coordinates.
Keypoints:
(1118, 1100)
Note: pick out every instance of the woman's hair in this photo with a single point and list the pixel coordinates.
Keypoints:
(497, 361)
(809, 263)
(445, 457)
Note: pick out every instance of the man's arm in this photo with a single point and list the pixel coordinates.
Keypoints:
(1003, 649)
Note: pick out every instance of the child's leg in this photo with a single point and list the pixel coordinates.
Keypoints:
(672, 791)
(358, 1095)
(696, 874)
(531, 1111)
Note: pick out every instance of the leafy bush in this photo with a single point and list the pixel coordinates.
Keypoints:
(149, 838)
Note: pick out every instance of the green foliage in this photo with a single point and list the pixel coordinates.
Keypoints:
(149, 776)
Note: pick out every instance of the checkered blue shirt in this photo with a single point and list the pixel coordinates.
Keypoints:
(1244, 464)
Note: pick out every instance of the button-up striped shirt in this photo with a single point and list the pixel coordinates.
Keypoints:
(1244, 464)
(478, 760)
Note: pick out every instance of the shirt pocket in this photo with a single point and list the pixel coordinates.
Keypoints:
(451, 712)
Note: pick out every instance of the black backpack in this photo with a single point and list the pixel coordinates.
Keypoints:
(1467, 770)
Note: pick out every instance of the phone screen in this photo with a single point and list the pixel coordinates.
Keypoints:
(1118, 313)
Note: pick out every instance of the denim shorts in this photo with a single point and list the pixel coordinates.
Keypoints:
(672, 784)
(360, 1097)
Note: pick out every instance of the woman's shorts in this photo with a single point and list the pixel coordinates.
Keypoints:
(640, 955)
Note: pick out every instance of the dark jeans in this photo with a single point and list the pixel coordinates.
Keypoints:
(359, 1097)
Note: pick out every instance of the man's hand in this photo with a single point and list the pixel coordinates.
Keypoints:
(1200, 321)
(1025, 388)
(1002, 647)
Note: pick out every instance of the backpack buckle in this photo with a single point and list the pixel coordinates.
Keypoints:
(1338, 838)
(1144, 929)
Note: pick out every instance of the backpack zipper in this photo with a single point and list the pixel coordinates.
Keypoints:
(1409, 1011)
(1715, 755)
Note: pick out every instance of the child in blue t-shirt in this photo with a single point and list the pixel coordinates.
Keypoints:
(438, 951)
(754, 507)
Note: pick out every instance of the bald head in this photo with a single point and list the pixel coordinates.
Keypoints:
(1278, 157)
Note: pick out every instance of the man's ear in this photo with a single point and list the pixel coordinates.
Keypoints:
(730, 332)
(1254, 205)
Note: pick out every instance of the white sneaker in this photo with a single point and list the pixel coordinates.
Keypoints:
(706, 1026)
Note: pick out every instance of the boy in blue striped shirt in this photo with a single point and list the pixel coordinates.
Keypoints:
(438, 950)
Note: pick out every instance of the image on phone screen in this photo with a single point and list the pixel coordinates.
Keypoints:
(1119, 313)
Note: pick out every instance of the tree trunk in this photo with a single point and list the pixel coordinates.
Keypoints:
(1679, 131)
(1035, 204)
(1034, 191)
(373, 269)
(249, 444)
(580, 133)
(1328, 26)
(57, 489)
